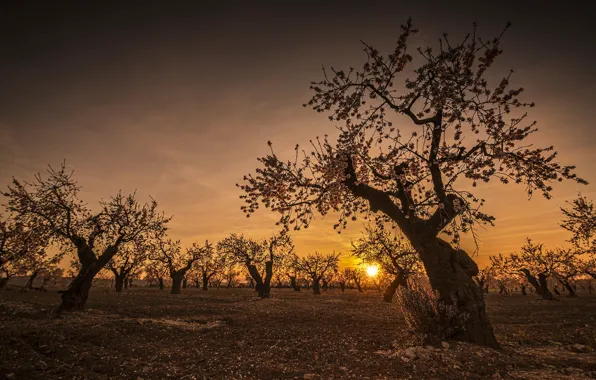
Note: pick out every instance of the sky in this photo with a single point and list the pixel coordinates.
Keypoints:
(177, 99)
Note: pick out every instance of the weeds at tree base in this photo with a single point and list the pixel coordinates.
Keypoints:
(429, 319)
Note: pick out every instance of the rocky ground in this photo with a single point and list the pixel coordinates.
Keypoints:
(147, 334)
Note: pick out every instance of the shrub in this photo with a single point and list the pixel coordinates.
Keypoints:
(430, 319)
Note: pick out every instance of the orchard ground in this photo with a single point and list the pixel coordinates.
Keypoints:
(145, 333)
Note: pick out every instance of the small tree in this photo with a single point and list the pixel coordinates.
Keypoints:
(209, 265)
(291, 271)
(395, 256)
(316, 266)
(52, 206)
(33, 265)
(357, 276)
(258, 257)
(483, 278)
(580, 220)
(156, 272)
(343, 277)
(130, 258)
(20, 246)
(170, 254)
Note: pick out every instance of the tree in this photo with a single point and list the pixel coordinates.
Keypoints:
(483, 278)
(209, 265)
(170, 254)
(52, 205)
(130, 258)
(395, 256)
(258, 257)
(316, 266)
(19, 246)
(534, 263)
(464, 132)
(49, 275)
(156, 271)
(357, 275)
(343, 277)
(289, 269)
(580, 220)
(34, 265)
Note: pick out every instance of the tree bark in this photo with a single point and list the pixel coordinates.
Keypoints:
(205, 281)
(398, 281)
(572, 292)
(316, 289)
(4, 282)
(544, 292)
(161, 284)
(177, 283)
(119, 283)
(450, 273)
(75, 297)
(294, 283)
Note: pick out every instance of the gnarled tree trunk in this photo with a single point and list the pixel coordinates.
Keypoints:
(399, 280)
(450, 273)
(294, 283)
(161, 284)
(177, 278)
(75, 297)
(316, 288)
(119, 283)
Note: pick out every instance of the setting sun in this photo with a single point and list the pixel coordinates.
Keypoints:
(372, 270)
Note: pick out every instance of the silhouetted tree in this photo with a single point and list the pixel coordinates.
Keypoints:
(20, 246)
(130, 257)
(483, 277)
(169, 253)
(316, 265)
(52, 205)
(343, 277)
(258, 255)
(394, 255)
(580, 220)
(357, 275)
(464, 129)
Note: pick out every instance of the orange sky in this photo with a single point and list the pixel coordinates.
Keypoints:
(178, 103)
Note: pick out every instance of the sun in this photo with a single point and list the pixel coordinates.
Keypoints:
(372, 270)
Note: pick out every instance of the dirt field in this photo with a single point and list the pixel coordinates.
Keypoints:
(229, 334)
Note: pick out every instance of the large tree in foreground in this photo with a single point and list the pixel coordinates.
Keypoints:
(52, 205)
(421, 178)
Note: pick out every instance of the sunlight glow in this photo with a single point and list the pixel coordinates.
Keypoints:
(372, 270)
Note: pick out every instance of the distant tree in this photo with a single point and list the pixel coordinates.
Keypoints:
(20, 246)
(536, 264)
(395, 256)
(316, 266)
(570, 266)
(130, 258)
(33, 265)
(258, 257)
(357, 276)
(343, 277)
(291, 270)
(483, 278)
(52, 206)
(209, 265)
(49, 275)
(156, 272)
(580, 220)
(178, 262)
(465, 131)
